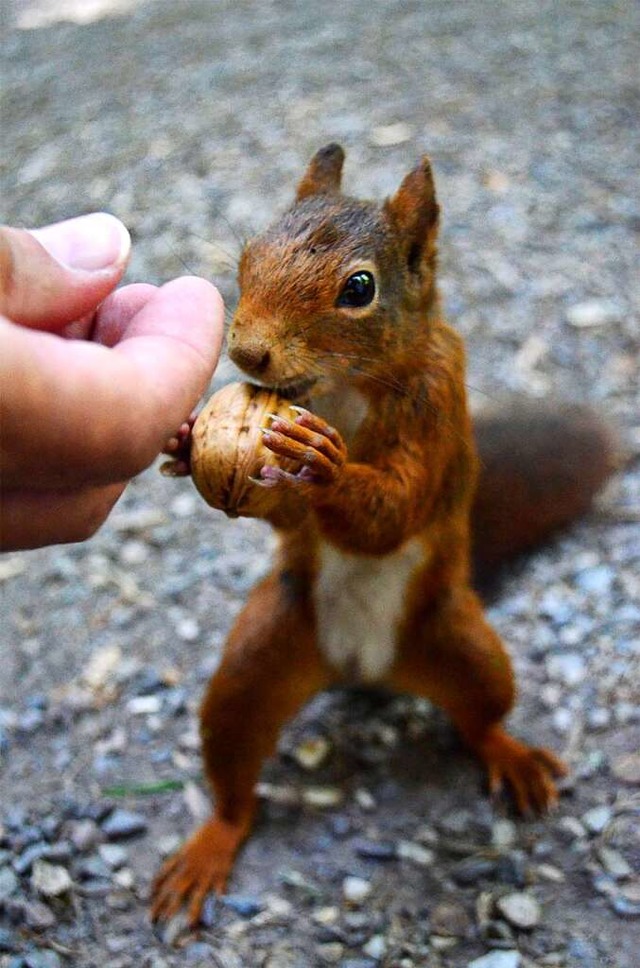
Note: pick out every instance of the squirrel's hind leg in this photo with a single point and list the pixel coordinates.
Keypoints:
(453, 657)
(270, 667)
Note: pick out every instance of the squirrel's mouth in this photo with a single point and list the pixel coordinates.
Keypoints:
(294, 389)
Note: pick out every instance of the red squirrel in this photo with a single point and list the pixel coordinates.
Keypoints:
(372, 584)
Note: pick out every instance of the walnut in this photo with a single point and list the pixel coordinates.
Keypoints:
(227, 450)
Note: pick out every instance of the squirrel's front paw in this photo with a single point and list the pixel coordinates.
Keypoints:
(178, 448)
(310, 441)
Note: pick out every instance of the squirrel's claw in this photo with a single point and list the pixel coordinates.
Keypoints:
(529, 772)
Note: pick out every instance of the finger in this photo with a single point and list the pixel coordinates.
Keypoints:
(79, 413)
(35, 519)
(281, 444)
(53, 276)
(311, 438)
(121, 306)
(118, 310)
(307, 419)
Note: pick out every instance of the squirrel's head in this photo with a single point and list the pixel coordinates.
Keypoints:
(336, 287)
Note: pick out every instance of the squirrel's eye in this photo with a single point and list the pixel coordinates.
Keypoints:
(358, 290)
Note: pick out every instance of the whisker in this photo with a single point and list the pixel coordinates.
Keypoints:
(176, 255)
(392, 384)
(233, 258)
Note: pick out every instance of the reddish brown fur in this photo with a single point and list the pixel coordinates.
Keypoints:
(408, 471)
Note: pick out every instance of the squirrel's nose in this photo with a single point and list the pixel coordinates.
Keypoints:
(253, 357)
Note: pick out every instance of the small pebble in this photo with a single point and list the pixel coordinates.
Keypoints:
(568, 668)
(134, 552)
(37, 915)
(184, 505)
(28, 857)
(562, 720)
(596, 819)
(627, 768)
(312, 752)
(571, 829)
(8, 883)
(497, 959)
(187, 630)
(331, 952)
(623, 907)
(598, 718)
(168, 844)
(50, 880)
(84, 834)
(144, 705)
(504, 834)
(322, 797)
(365, 800)
(326, 915)
(246, 907)
(593, 313)
(376, 947)
(389, 135)
(355, 890)
(449, 919)
(416, 853)
(550, 873)
(614, 863)
(124, 823)
(42, 958)
(93, 867)
(596, 581)
(113, 855)
(124, 878)
(102, 666)
(520, 910)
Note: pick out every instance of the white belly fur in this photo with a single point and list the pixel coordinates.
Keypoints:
(360, 601)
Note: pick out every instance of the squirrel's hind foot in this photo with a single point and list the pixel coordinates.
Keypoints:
(528, 771)
(202, 865)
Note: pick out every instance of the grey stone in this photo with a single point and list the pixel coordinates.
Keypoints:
(497, 959)
(42, 958)
(520, 909)
(8, 883)
(122, 824)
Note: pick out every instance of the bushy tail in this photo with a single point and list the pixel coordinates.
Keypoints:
(541, 466)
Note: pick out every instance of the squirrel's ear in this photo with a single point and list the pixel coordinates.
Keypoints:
(323, 175)
(415, 213)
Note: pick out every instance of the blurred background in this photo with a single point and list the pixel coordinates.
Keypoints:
(192, 122)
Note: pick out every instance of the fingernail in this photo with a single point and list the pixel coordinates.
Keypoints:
(90, 242)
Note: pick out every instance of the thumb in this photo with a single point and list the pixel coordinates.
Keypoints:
(55, 275)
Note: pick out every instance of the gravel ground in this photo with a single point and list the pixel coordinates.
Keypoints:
(191, 121)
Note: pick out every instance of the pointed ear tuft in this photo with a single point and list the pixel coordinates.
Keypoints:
(415, 213)
(323, 175)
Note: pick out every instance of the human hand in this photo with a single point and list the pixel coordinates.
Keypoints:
(93, 381)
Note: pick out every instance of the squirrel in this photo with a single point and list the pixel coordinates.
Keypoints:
(372, 584)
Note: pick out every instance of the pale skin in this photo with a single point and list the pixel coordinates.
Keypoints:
(94, 380)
